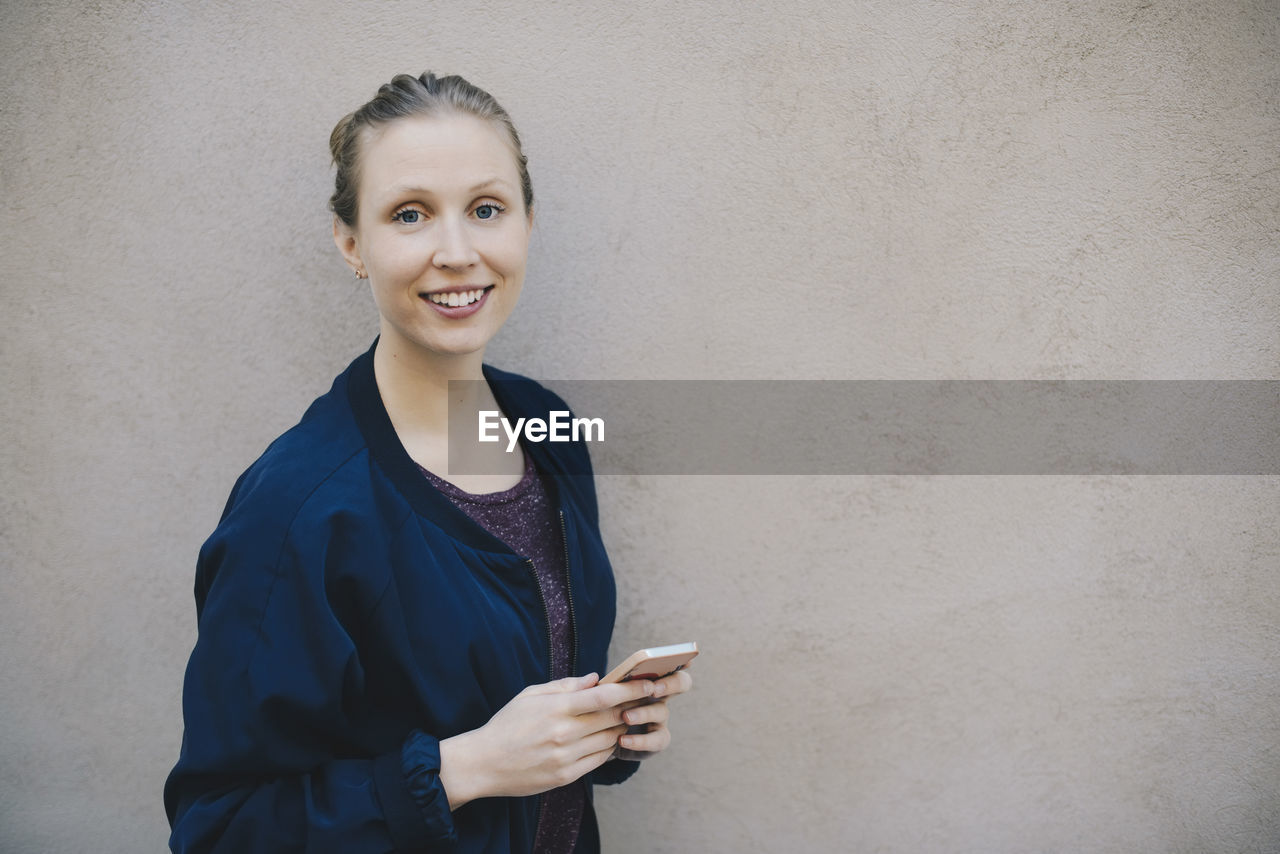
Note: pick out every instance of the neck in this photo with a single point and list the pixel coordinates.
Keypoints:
(415, 387)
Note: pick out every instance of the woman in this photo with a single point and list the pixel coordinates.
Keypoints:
(392, 657)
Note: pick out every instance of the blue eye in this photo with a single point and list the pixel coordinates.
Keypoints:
(487, 211)
(408, 215)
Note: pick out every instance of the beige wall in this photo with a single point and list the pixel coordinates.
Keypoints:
(989, 189)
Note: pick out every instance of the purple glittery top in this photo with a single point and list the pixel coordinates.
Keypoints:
(524, 519)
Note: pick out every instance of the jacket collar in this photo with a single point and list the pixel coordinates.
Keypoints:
(391, 457)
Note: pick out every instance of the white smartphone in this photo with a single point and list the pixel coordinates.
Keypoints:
(653, 663)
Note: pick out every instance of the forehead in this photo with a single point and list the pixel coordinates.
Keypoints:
(442, 153)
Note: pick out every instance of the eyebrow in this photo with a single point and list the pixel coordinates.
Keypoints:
(402, 189)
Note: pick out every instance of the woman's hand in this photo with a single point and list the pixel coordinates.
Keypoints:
(547, 736)
(646, 719)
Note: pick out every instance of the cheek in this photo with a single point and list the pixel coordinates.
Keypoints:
(512, 254)
(396, 258)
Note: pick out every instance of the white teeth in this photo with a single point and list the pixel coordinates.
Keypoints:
(454, 300)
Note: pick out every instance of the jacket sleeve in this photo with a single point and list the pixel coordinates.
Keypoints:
(614, 771)
(269, 761)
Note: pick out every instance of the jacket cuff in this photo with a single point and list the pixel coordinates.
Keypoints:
(412, 796)
(614, 771)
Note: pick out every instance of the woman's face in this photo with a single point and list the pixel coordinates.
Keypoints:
(441, 231)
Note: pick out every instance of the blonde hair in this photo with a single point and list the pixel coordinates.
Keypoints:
(407, 96)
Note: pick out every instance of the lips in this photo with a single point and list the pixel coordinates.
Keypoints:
(457, 302)
(455, 298)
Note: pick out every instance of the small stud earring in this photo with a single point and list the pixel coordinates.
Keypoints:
(361, 274)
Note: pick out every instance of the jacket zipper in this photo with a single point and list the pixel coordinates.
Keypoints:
(546, 612)
(568, 591)
(546, 621)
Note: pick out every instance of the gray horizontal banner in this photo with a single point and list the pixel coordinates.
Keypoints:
(895, 427)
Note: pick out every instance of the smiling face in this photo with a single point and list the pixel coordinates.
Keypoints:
(441, 231)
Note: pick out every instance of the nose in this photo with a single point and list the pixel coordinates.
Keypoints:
(455, 249)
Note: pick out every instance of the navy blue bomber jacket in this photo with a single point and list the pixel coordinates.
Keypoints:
(350, 617)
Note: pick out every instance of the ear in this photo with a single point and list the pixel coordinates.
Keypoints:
(344, 237)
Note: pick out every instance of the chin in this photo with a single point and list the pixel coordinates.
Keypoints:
(432, 341)
(464, 347)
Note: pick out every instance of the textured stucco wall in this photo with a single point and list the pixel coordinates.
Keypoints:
(986, 189)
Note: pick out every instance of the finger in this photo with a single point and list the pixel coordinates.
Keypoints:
(605, 739)
(654, 713)
(644, 701)
(646, 742)
(610, 695)
(674, 683)
(601, 720)
(589, 762)
(563, 686)
(583, 765)
(595, 760)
